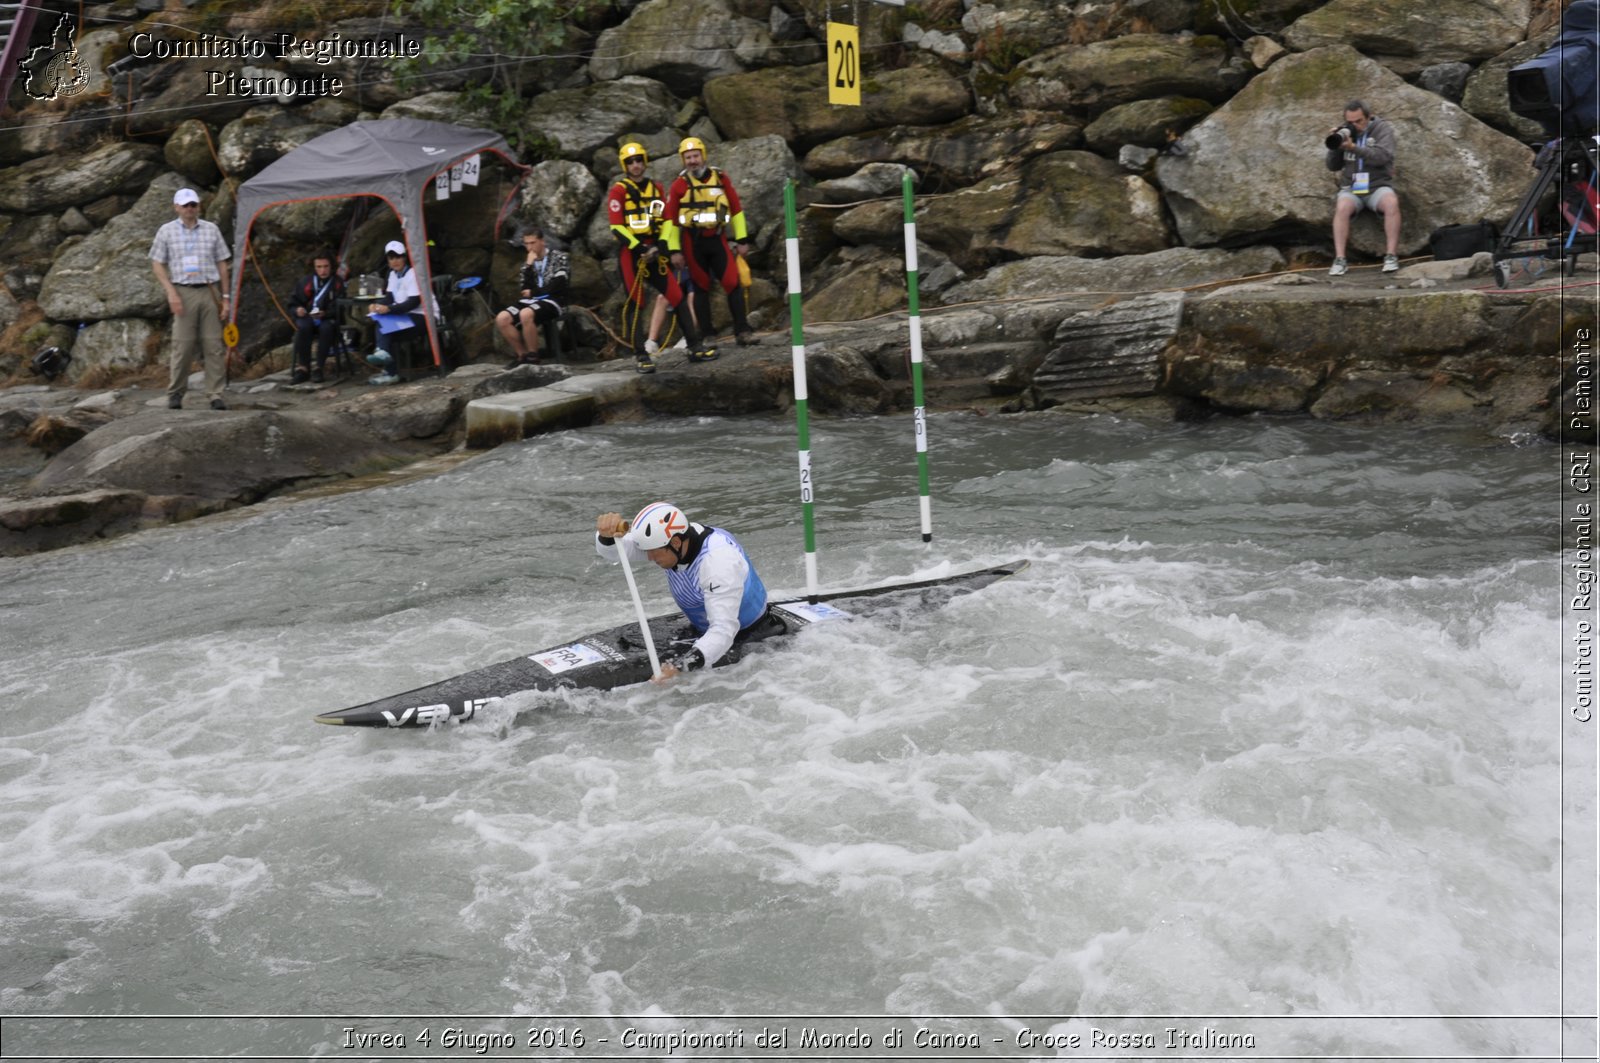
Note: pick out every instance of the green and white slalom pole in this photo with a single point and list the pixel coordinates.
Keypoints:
(797, 348)
(920, 410)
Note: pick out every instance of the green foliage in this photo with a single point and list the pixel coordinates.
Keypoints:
(497, 45)
(537, 148)
(1002, 51)
(942, 16)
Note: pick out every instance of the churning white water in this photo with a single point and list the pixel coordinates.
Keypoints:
(1264, 744)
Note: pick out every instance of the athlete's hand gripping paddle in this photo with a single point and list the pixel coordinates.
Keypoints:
(638, 606)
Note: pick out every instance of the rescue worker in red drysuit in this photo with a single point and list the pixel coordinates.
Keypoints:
(701, 201)
(636, 210)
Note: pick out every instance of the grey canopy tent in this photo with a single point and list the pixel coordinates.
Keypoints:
(394, 159)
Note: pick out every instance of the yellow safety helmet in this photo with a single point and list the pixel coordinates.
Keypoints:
(692, 144)
(628, 151)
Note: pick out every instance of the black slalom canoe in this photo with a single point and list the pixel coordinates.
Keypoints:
(617, 656)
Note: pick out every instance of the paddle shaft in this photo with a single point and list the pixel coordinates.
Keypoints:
(638, 605)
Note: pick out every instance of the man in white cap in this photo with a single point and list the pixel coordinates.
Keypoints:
(190, 259)
(404, 298)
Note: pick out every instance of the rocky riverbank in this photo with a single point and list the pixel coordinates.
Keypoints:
(1435, 343)
(1121, 205)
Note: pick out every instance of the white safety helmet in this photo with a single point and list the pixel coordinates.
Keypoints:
(655, 526)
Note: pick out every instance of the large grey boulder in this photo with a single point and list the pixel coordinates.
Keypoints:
(28, 245)
(47, 184)
(53, 432)
(1254, 169)
(30, 524)
(442, 105)
(577, 121)
(683, 44)
(1485, 96)
(1087, 79)
(880, 224)
(1111, 350)
(122, 343)
(756, 384)
(856, 283)
(1038, 24)
(261, 137)
(873, 181)
(1152, 123)
(1177, 267)
(951, 155)
(1238, 20)
(790, 102)
(239, 456)
(760, 166)
(1064, 203)
(949, 45)
(37, 132)
(307, 220)
(400, 414)
(561, 195)
(1445, 79)
(188, 152)
(163, 94)
(1410, 37)
(107, 274)
(1252, 351)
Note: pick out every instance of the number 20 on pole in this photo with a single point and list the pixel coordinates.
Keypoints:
(844, 65)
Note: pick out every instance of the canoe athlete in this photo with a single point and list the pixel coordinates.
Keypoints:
(710, 576)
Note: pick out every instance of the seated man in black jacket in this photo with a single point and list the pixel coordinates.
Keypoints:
(314, 307)
(542, 296)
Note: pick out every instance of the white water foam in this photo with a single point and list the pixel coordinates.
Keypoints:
(1230, 745)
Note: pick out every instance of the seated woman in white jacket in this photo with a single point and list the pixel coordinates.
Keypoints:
(709, 573)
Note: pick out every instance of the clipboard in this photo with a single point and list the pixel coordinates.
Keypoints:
(388, 323)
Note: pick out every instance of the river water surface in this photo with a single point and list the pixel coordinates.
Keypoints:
(1264, 744)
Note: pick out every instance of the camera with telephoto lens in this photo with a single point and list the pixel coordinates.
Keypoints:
(1338, 137)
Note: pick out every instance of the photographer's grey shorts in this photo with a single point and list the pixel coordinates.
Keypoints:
(1369, 201)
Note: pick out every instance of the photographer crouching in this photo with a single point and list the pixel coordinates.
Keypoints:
(1361, 151)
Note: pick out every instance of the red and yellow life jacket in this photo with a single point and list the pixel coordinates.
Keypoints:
(638, 214)
(705, 204)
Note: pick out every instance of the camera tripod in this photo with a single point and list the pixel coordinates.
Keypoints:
(1572, 164)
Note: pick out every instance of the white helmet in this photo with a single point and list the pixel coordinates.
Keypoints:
(655, 526)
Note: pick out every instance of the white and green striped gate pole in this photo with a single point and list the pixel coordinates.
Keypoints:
(920, 412)
(797, 348)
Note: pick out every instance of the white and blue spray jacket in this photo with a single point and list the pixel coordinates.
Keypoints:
(718, 590)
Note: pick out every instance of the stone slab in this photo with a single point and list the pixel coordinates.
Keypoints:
(516, 415)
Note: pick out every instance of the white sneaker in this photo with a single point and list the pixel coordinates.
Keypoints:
(1391, 263)
(1338, 269)
(651, 347)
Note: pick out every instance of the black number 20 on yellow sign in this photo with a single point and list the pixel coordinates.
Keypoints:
(844, 64)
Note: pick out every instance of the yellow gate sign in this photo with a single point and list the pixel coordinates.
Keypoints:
(844, 64)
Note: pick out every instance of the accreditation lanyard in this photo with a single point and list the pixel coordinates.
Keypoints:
(395, 279)
(1361, 181)
(191, 243)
